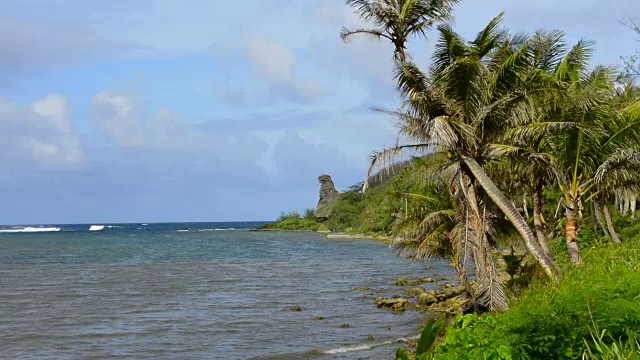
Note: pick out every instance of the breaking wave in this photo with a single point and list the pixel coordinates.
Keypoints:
(360, 347)
(96, 227)
(220, 229)
(30, 229)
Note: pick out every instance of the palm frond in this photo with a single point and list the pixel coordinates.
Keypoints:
(346, 34)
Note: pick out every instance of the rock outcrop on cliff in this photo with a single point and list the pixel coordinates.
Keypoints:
(328, 198)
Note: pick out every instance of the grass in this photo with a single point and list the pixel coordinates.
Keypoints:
(561, 321)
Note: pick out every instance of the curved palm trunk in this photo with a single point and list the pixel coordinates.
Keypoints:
(489, 291)
(612, 230)
(537, 218)
(545, 261)
(571, 233)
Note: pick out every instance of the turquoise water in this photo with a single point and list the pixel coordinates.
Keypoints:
(175, 291)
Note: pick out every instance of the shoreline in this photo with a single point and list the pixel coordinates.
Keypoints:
(336, 234)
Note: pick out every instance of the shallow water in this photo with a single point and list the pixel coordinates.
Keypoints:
(151, 291)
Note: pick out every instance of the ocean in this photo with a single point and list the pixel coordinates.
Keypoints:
(198, 291)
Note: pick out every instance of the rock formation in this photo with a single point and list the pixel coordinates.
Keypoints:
(328, 198)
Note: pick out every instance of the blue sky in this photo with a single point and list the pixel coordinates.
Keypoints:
(195, 110)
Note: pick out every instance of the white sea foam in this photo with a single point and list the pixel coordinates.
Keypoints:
(359, 347)
(182, 230)
(96, 227)
(144, 224)
(30, 229)
(345, 349)
(218, 229)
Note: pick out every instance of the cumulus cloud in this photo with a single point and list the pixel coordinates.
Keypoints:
(290, 105)
(40, 135)
(276, 63)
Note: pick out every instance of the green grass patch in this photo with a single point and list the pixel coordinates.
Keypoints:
(563, 321)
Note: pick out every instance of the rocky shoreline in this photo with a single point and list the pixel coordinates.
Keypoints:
(448, 298)
(339, 235)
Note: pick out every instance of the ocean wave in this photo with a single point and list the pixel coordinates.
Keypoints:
(30, 229)
(96, 227)
(360, 347)
(182, 230)
(218, 229)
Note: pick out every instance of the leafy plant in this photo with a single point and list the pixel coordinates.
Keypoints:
(429, 336)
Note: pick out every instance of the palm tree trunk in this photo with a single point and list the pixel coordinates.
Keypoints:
(625, 204)
(537, 218)
(634, 199)
(599, 218)
(612, 230)
(571, 233)
(545, 261)
(619, 204)
(489, 292)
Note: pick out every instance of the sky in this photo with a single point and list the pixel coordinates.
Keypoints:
(197, 110)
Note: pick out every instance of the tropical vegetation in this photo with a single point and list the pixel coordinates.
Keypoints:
(520, 143)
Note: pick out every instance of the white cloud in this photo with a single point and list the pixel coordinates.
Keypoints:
(56, 109)
(40, 135)
(276, 63)
(116, 117)
(273, 60)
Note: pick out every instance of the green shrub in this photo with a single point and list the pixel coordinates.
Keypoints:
(294, 221)
(556, 322)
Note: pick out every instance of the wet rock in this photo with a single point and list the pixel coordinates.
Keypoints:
(426, 280)
(453, 305)
(395, 304)
(344, 326)
(415, 291)
(427, 298)
(380, 291)
(318, 318)
(413, 281)
(450, 292)
(361, 289)
(370, 337)
(296, 308)
(328, 198)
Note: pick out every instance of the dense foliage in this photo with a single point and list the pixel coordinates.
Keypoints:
(375, 212)
(531, 148)
(594, 307)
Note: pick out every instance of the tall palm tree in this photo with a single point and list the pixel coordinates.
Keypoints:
(589, 146)
(460, 107)
(617, 174)
(547, 53)
(397, 21)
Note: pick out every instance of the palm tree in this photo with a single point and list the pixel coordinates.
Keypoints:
(588, 145)
(530, 153)
(617, 174)
(397, 21)
(458, 109)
